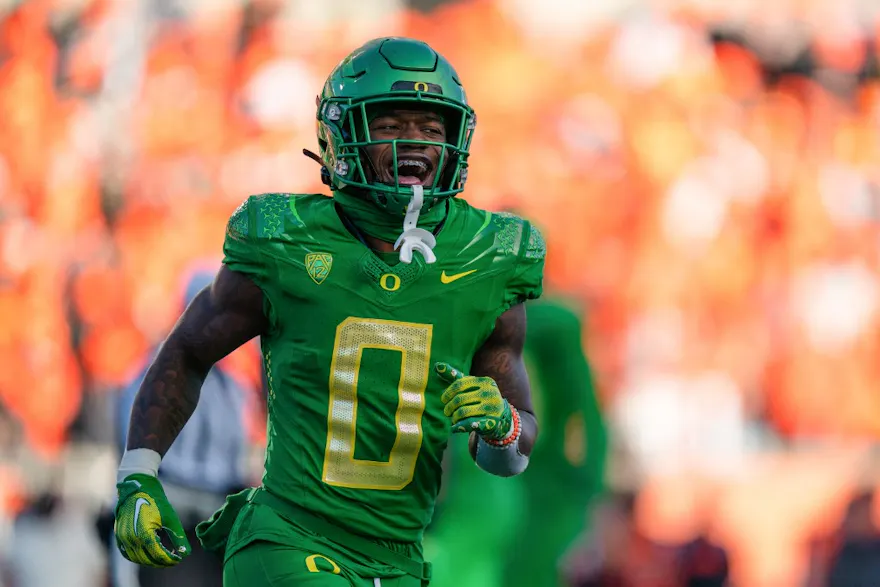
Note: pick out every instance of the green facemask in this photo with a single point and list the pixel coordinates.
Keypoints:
(377, 223)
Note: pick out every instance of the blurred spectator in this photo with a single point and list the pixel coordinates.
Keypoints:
(617, 554)
(703, 564)
(857, 562)
(53, 545)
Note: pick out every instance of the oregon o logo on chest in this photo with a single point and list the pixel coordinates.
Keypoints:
(389, 282)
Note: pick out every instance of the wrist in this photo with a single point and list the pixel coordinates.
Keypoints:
(502, 457)
(144, 461)
(512, 434)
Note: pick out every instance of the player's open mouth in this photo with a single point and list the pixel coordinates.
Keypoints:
(412, 169)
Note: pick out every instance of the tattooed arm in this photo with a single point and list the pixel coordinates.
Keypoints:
(220, 319)
(501, 358)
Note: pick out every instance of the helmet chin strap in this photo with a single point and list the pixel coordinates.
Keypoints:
(414, 238)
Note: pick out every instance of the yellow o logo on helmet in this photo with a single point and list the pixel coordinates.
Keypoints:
(395, 282)
(420, 87)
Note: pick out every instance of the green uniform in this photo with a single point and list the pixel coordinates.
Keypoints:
(356, 430)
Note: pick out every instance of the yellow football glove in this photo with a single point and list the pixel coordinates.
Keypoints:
(144, 518)
(475, 404)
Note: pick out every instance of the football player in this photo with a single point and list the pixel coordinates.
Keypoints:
(389, 316)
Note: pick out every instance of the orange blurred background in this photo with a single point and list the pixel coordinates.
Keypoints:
(707, 177)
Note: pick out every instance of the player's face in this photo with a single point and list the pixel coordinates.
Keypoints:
(416, 164)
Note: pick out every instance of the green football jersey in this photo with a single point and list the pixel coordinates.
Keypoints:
(356, 430)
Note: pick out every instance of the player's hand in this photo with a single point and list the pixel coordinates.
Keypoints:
(475, 404)
(148, 531)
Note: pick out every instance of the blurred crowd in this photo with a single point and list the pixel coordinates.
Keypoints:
(706, 175)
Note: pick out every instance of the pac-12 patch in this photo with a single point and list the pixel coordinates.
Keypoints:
(318, 266)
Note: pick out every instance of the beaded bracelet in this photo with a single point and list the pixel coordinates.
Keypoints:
(512, 436)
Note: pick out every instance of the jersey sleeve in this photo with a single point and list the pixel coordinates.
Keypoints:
(243, 251)
(526, 281)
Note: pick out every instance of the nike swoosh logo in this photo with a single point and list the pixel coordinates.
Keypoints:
(141, 502)
(450, 278)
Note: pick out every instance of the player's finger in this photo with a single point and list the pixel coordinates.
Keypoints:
(179, 540)
(466, 425)
(456, 401)
(464, 386)
(140, 555)
(158, 555)
(171, 544)
(447, 372)
(126, 551)
(460, 428)
(469, 412)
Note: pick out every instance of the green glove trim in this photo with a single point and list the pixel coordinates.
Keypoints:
(144, 519)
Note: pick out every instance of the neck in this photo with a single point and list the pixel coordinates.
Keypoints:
(378, 228)
(375, 243)
(378, 245)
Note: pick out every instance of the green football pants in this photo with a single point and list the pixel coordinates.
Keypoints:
(269, 564)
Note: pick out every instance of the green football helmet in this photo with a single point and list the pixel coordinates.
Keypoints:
(392, 72)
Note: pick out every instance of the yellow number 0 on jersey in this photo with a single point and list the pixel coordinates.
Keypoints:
(352, 337)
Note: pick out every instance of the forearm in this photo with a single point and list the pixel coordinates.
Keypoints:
(167, 397)
(219, 320)
(501, 358)
(513, 381)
